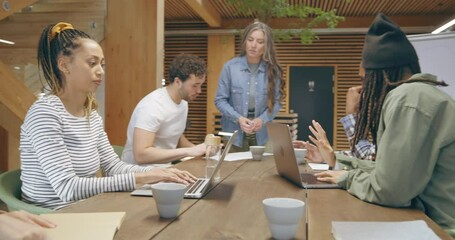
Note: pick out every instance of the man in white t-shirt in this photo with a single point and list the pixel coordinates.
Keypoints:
(155, 131)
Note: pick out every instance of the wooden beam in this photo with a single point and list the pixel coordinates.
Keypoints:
(14, 94)
(219, 50)
(134, 49)
(350, 22)
(207, 12)
(29, 28)
(14, 6)
(13, 152)
(3, 150)
(18, 56)
(90, 6)
(48, 18)
(10, 122)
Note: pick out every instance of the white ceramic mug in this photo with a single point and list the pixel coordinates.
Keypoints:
(300, 154)
(168, 197)
(257, 152)
(283, 215)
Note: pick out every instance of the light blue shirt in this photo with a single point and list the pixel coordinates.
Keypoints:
(233, 93)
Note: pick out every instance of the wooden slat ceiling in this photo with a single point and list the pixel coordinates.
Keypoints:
(24, 27)
(178, 10)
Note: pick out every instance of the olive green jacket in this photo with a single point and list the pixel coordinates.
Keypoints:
(415, 161)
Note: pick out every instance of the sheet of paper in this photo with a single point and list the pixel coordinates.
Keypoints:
(100, 226)
(414, 230)
(237, 156)
(319, 166)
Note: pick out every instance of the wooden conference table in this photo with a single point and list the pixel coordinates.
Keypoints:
(233, 209)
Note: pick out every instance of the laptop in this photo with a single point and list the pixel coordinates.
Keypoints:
(201, 186)
(286, 164)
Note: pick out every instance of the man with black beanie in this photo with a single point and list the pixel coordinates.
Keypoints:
(411, 122)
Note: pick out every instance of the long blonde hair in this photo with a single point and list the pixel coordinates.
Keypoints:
(274, 69)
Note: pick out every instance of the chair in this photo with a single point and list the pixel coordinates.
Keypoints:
(10, 193)
(118, 149)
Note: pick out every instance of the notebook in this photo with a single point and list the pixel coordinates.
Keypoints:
(200, 187)
(412, 230)
(102, 226)
(286, 164)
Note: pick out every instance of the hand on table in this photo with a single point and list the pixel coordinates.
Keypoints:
(330, 176)
(165, 175)
(23, 225)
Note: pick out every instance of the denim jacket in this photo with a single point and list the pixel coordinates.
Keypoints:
(233, 94)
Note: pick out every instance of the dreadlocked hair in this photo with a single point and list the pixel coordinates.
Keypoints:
(274, 69)
(50, 46)
(377, 83)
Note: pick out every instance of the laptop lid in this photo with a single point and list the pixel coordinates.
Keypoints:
(285, 161)
(225, 151)
(205, 183)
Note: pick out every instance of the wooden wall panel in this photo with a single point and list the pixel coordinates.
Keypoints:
(341, 51)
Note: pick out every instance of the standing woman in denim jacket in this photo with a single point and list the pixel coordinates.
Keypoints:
(251, 88)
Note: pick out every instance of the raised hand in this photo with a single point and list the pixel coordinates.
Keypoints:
(353, 99)
(322, 143)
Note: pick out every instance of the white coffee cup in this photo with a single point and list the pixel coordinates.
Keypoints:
(300, 154)
(257, 152)
(168, 197)
(283, 215)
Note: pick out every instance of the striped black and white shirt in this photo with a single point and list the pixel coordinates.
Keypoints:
(61, 153)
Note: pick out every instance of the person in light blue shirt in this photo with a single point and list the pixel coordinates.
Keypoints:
(251, 88)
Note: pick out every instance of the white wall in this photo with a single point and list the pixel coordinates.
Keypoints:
(436, 54)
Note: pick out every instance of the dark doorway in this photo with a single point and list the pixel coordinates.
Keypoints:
(311, 96)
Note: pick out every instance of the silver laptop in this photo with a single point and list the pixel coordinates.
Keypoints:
(201, 186)
(286, 164)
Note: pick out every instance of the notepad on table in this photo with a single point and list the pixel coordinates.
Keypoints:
(414, 230)
(319, 166)
(100, 226)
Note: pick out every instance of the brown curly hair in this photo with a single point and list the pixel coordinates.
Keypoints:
(184, 65)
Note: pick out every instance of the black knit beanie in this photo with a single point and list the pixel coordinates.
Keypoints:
(386, 46)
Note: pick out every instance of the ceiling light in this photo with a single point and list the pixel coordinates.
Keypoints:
(6, 42)
(444, 27)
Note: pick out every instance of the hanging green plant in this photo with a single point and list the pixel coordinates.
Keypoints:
(308, 17)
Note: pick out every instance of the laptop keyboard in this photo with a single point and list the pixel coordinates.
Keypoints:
(195, 185)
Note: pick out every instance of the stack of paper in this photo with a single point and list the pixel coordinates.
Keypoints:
(319, 166)
(100, 226)
(237, 156)
(414, 230)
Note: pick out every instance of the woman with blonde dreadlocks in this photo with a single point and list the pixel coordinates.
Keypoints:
(62, 142)
(411, 124)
